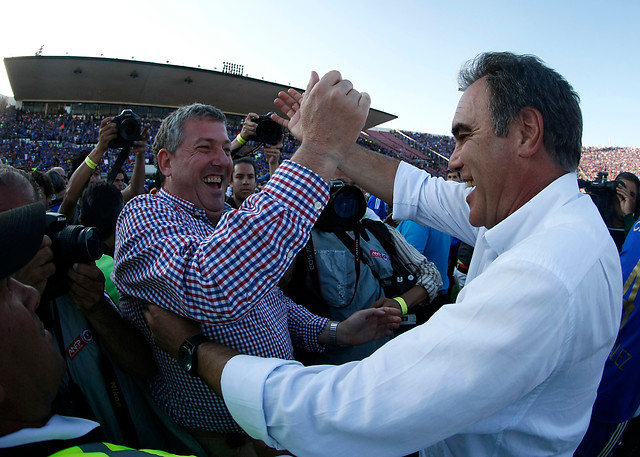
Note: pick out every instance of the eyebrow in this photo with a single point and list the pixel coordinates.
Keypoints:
(455, 130)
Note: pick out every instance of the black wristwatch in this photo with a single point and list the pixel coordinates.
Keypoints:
(188, 353)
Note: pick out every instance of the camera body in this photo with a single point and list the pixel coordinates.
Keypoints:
(129, 129)
(268, 131)
(70, 244)
(345, 208)
(603, 193)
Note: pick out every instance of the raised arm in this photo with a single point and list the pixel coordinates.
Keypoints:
(326, 138)
(374, 172)
(82, 174)
(136, 185)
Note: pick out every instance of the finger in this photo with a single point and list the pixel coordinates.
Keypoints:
(314, 79)
(280, 120)
(365, 100)
(345, 85)
(296, 95)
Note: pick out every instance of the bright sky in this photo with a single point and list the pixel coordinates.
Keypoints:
(404, 53)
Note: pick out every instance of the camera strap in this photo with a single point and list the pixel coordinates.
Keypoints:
(312, 269)
(117, 166)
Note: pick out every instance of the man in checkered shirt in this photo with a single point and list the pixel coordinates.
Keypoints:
(183, 250)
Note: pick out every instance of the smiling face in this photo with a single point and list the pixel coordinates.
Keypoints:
(484, 160)
(32, 366)
(199, 170)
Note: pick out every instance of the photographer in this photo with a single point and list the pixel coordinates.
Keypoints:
(104, 354)
(626, 211)
(82, 175)
(617, 202)
(353, 261)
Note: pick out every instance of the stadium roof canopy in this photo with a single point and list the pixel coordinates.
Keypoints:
(116, 81)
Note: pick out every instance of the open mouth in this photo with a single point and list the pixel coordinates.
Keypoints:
(216, 180)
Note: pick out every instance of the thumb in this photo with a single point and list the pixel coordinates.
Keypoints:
(313, 80)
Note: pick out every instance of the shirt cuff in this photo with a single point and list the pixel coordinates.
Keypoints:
(300, 188)
(406, 192)
(242, 383)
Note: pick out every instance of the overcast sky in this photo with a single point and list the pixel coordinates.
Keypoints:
(404, 53)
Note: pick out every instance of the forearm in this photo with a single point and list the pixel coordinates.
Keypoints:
(212, 358)
(79, 180)
(374, 172)
(136, 185)
(125, 344)
(273, 166)
(415, 296)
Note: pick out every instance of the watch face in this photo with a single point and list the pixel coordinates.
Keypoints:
(184, 358)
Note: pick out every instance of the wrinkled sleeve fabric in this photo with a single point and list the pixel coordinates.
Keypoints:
(432, 202)
(357, 408)
(160, 258)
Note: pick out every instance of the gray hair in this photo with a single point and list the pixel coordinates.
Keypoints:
(171, 132)
(519, 81)
(10, 176)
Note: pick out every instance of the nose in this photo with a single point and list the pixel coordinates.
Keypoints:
(455, 162)
(27, 295)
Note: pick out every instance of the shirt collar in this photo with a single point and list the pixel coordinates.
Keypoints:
(525, 219)
(186, 205)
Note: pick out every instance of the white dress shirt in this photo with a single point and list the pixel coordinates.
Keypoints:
(511, 369)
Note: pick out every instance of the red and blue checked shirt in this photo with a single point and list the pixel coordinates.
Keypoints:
(168, 253)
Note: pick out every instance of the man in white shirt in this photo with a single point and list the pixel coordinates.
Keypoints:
(512, 367)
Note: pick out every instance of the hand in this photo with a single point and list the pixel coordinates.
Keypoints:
(387, 302)
(86, 287)
(329, 117)
(168, 329)
(289, 103)
(368, 325)
(140, 146)
(627, 202)
(40, 267)
(272, 152)
(108, 132)
(249, 126)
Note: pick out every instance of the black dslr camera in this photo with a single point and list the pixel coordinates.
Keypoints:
(268, 131)
(129, 128)
(603, 193)
(70, 244)
(345, 208)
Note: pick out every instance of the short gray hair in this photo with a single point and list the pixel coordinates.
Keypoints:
(171, 132)
(519, 81)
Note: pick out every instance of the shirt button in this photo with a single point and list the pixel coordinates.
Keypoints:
(317, 205)
(289, 254)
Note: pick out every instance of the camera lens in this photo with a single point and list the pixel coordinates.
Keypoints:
(76, 243)
(129, 129)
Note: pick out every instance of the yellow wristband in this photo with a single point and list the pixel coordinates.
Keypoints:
(241, 140)
(90, 163)
(403, 305)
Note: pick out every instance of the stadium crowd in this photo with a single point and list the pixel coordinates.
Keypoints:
(202, 316)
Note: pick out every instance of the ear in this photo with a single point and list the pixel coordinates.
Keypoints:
(164, 162)
(531, 130)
